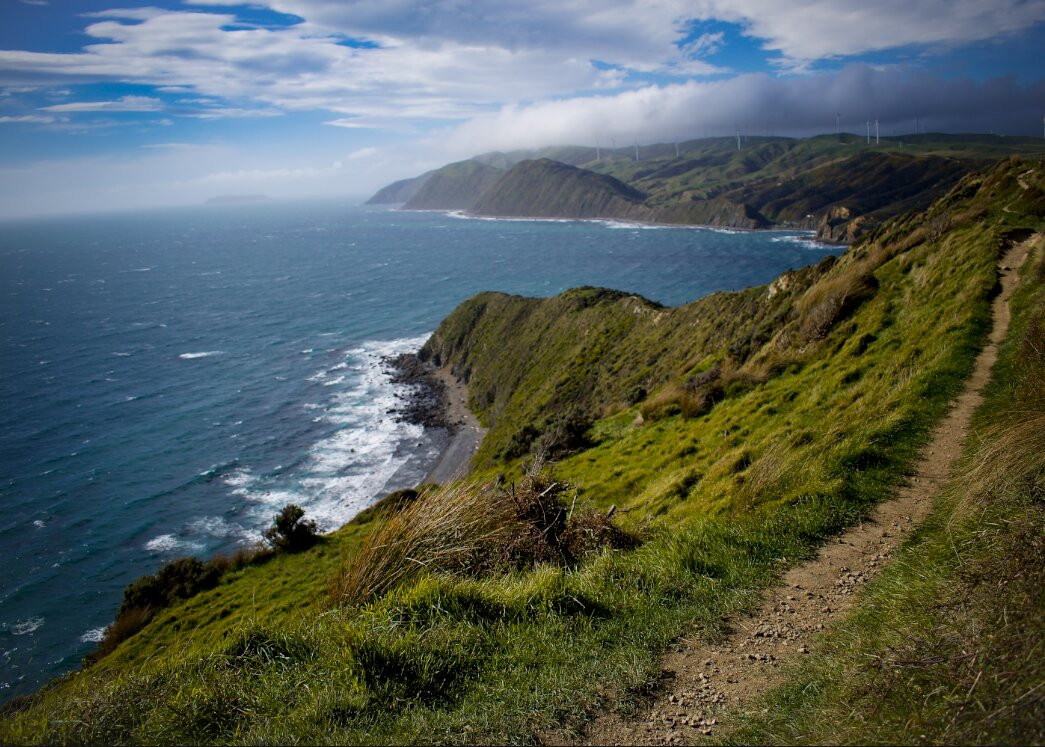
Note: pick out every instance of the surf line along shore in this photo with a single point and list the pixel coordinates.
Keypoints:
(437, 399)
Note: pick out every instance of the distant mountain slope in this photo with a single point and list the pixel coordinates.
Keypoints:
(544, 188)
(840, 185)
(400, 191)
(454, 187)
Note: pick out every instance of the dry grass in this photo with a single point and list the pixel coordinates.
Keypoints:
(470, 528)
(444, 529)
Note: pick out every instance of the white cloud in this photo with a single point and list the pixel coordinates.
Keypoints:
(754, 104)
(27, 119)
(454, 59)
(123, 104)
(227, 112)
(809, 30)
(363, 153)
(641, 33)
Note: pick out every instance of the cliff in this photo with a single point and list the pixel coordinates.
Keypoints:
(768, 182)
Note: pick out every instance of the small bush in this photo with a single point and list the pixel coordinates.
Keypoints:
(290, 531)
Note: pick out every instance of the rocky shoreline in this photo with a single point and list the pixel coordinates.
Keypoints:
(426, 403)
(438, 400)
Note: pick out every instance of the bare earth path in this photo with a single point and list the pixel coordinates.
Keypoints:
(701, 682)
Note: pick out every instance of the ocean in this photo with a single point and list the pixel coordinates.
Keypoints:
(170, 379)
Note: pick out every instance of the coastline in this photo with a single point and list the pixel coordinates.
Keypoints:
(466, 431)
(779, 228)
(439, 400)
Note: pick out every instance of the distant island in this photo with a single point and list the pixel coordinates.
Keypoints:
(235, 199)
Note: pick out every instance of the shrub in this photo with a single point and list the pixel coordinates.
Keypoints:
(290, 531)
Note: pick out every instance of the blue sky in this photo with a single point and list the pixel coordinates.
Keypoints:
(113, 105)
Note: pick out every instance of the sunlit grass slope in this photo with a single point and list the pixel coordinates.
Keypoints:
(733, 435)
(948, 646)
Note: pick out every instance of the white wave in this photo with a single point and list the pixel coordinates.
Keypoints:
(94, 635)
(461, 215)
(715, 229)
(629, 226)
(205, 354)
(25, 627)
(347, 469)
(141, 269)
(123, 355)
(217, 527)
(39, 524)
(805, 241)
(169, 543)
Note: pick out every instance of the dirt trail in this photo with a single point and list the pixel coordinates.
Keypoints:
(701, 683)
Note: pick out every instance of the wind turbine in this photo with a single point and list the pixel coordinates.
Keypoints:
(876, 131)
(868, 132)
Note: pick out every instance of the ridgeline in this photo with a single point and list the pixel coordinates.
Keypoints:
(840, 186)
(648, 472)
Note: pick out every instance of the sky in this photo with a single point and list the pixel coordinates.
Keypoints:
(114, 105)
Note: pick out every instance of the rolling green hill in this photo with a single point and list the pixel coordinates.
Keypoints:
(733, 436)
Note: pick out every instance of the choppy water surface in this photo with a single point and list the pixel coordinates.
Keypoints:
(170, 379)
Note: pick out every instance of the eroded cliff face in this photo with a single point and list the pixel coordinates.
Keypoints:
(840, 225)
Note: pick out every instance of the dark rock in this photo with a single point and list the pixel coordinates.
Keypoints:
(425, 403)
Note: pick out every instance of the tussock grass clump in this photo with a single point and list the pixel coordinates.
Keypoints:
(833, 300)
(444, 529)
(702, 391)
(468, 528)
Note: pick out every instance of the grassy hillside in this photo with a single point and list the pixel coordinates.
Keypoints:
(544, 188)
(841, 186)
(733, 435)
(946, 647)
(453, 187)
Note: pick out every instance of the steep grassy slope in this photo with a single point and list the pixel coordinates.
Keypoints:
(824, 384)
(947, 646)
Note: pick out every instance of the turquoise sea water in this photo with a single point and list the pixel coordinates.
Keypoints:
(170, 379)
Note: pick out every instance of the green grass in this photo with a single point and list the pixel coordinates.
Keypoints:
(827, 423)
(948, 645)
